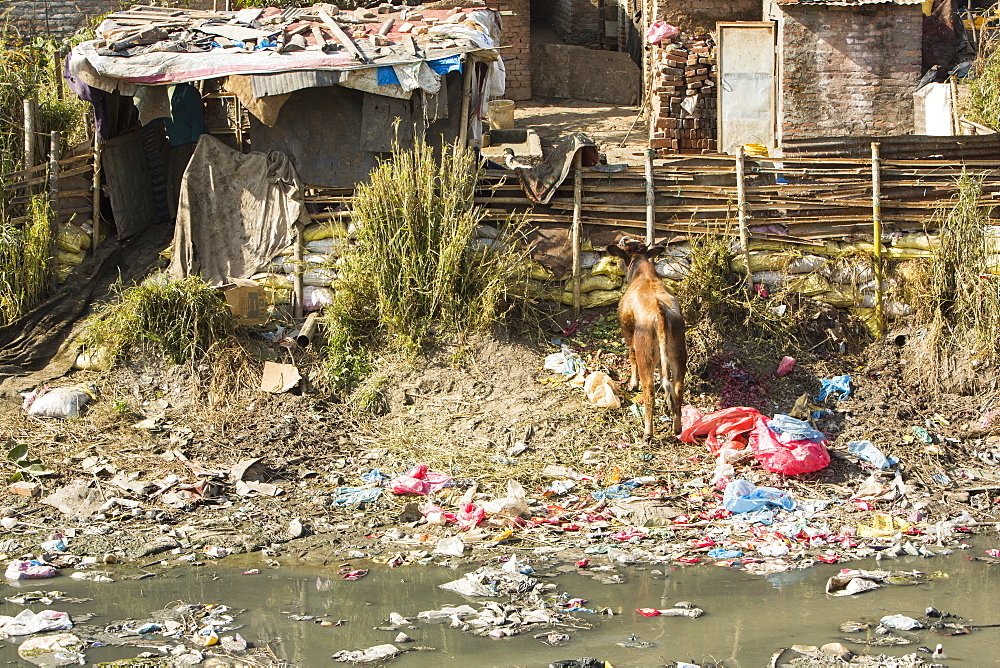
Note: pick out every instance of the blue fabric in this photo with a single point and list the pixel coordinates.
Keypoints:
(795, 430)
(444, 65)
(187, 116)
(387, 75)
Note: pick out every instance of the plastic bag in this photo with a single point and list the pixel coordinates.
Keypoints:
(419, 480)
(789, 429)
(452, 547)
(868, 452)
(784, 366)
(791, 458)
(29, 570)
(26, 623)
(513, 504)
(659, 31)
(742, 496)
(314, 298)
(600, 390)
(723, 428)
(63, 402)
(838, 384)
(470, 516)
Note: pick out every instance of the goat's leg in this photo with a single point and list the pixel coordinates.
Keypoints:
(628, 333)
(678, 368)
(665, 365)
(648, 398)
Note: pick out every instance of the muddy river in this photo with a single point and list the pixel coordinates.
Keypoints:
(746, 617)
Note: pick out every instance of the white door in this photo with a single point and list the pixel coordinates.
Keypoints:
(746, 84)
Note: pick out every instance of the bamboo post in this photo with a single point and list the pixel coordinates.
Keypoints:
(95, 219)
(575, 240)
(297, 277)
(956, 115)
(54, 205)
(29, 133)
(742, 212)
(463, 132)
(650, 199)
(57, 71)
(877, 233)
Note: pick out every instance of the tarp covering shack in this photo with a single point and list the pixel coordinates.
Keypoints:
(325, 86)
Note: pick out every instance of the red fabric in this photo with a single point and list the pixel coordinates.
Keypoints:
(790, 458)
(722, 428)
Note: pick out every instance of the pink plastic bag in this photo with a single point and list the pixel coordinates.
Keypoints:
(790, 458)
(785, 366)
(419, 480)
(723, 428)
(470, 516)
(659, 31)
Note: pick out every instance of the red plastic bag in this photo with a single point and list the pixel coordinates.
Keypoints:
(790, 458)
(659, 31)
(723, 428)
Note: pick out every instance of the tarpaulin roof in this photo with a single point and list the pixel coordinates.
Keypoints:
(157, 45)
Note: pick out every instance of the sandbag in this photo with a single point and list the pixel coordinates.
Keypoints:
(839, 297)
(770, 279)
(62, 402)
(810, 285)
(918, 240)
(538, 271)
(318, 277)
(314, 299)
(608, 265)
(589, 282)
(788, 262)
(486, 232)
(317, 231)
(278, 296)
(672, 268)
(72, 239)
(70, 258)
(327, 246)
(593, 299)
(588, 259)
(273, 281)
(96, 359)
(829, 249)
(852, 273)
(63, 271)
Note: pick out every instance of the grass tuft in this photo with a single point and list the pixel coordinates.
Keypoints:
(415, 272)
(180, 319)
(25, 261)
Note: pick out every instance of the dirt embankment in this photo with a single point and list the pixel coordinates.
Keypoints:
(151, 467)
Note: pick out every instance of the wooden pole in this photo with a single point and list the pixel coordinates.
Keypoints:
(742, 212)
(877, 234)
(29, 133)
(463, 131)
(297, 277)
(650, 199)
(54, 206)
(575, 241)
(57, 67)
(956, 115)
(95, 219)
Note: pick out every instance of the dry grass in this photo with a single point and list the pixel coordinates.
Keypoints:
(25, 261)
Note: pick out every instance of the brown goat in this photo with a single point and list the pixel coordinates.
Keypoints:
(653, 328)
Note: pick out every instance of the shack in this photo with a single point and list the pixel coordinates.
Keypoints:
(332, 90)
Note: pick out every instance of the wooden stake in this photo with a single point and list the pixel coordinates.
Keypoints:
(741, 203)
(877, 233)
(29, 133)
(956, 116)
(343, 38)
(297, 277)
(54, 205)
(95, 218)
(650, 199)
(575, 241)
(463, 132)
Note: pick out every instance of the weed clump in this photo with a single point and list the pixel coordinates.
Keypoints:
(416, 271)
(25, 261)
(180, 319)
(960, 302)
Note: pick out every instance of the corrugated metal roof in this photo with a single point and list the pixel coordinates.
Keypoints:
(848, 3)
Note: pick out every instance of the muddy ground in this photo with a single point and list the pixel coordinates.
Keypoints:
(160, 463)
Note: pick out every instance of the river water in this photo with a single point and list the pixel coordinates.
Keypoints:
(746, 619)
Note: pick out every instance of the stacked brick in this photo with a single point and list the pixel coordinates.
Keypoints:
(516, 15)
(683, 100)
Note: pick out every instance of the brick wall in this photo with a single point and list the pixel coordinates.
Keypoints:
(701, 16)
(848, 70)
(516, 16)
(575, 21)
(63, 18)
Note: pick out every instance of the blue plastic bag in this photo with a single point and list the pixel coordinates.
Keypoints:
(620, 491)
(374, 476)
(794, 430)
(742, 496)
(868, 452)
(841, 384)
(723, 553)
(355, 496)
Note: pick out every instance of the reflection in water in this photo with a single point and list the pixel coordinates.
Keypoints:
(746, 618)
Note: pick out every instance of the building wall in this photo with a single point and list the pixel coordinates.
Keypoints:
(59, 19)
(516, 15)
(847, 70)
(700, 17)
(575, 21)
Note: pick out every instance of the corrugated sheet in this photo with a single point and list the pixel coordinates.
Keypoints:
(848, 3)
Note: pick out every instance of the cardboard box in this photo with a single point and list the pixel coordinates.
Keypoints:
(246, 300)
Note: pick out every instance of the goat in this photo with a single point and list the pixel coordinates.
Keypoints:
(653, 328)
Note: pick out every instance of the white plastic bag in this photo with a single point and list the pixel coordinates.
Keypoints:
(62, 402)
(452, 547)
(513, 504)
(600, 390)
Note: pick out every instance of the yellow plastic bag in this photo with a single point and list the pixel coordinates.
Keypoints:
(317, 231)
(842, 297)
(593, 299)
(810, 286)
(72, 239)
(882, 526)
(590, 283)
(274, 281)
(70, 258)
